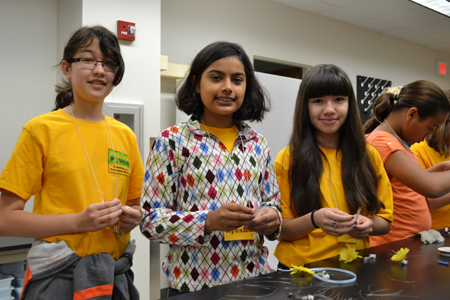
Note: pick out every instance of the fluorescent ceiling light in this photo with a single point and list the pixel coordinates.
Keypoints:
(441, 6)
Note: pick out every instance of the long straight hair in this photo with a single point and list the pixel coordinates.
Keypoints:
(359, 178)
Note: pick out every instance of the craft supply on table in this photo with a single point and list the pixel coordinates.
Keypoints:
(444, 251)
(443, 263)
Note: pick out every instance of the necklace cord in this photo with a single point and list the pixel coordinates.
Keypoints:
(116, 228)
(329, 182)
(85, 151)
(385, 122)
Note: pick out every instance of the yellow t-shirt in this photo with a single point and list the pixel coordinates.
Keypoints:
(50, 163)
(226, 135)
(428, 157)
(318, 245)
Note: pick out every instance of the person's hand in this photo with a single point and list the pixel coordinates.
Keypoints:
(325, 218)
(228, 217)
(361, 228)
(266, 221)
(99, 216)
(129, 218)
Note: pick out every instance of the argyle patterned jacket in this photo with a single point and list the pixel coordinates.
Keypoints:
(190, 173)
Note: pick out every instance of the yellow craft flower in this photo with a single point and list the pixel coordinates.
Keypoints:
(349, 255)
(298, 269)
(400, 255)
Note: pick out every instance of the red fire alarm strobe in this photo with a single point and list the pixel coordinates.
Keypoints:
(126, 30)
(441, 68)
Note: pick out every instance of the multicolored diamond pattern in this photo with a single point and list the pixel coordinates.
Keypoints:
(190, 173)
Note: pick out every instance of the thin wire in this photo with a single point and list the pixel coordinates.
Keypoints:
(395, 134)
(90, 165)
(116, 227)
(317, 270)
(345, 281)
(329, 182)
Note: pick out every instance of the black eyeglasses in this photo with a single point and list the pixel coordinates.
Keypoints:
(89, 63)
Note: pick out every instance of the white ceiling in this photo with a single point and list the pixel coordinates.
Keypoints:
(398, 18)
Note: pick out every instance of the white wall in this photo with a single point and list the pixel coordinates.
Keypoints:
(273, 30)
(32, 44)
(140, 84)
(27, 77)
(27, 57)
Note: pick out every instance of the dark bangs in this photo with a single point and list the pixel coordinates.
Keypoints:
(109, 46)
(328, 80)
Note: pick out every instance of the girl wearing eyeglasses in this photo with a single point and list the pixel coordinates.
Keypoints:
(85, 173)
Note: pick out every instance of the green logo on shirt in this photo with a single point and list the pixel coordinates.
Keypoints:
(121, 163)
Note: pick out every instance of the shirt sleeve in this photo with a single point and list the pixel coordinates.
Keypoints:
(136, 176)
(281, 169)
(270, 193)
(22, 174)
(384, 190)
(385, 145)
(161, 222)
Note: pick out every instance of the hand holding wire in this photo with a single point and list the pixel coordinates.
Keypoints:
(227, 217)
(363, 228)
(129, 219)
(266, 221)
(99, 216)
(334, 221)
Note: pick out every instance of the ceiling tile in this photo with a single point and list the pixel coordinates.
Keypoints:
(421, 40)
(445, 47)
(381, 7)
(343, 3)
(431, 27)
(308, 5)
(343, 15)
(411, 17)
(399, 32)
(402, 19)
(373, 24)
(441, 36)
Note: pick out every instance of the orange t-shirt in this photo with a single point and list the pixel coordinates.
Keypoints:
(411, 212)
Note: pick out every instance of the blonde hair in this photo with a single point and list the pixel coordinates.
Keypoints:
(393, 90)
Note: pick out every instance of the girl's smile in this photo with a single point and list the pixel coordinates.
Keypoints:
(328, 121)
(98, 83)
(222, 90)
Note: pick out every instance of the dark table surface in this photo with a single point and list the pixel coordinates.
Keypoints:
(381, 278)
